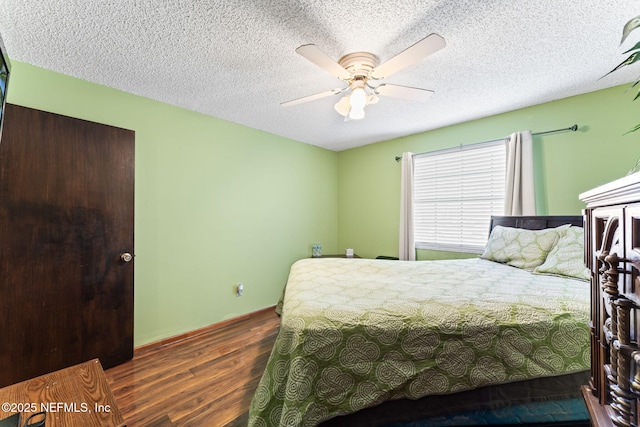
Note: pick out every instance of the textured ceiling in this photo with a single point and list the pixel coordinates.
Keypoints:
(235, 59)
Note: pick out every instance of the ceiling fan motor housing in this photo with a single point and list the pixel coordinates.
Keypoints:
(359, 64)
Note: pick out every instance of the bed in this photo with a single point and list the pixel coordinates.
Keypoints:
(386, 343)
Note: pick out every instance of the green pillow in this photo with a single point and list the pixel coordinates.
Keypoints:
(521, 248)
(567, 256)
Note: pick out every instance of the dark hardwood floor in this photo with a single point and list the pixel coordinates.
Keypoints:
(207, 379)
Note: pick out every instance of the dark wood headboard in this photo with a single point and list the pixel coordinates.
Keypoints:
(535, 222)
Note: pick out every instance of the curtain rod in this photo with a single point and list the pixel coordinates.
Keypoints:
(571, 128)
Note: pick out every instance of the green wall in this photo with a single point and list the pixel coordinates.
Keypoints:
(216, 203)
(566, 163)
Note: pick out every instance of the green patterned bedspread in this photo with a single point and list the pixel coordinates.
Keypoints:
(355, 332)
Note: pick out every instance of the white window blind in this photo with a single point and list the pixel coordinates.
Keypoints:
(455, 193)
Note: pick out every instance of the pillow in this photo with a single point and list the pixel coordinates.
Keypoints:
(567, 256)
(521, 248)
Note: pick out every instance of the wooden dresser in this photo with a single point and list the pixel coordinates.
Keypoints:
(612, 253)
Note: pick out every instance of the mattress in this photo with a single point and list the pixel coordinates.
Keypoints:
(357, 332)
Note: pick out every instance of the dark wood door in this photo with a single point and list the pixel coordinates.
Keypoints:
(66, 218)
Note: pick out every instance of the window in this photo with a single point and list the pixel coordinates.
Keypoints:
(455, 193)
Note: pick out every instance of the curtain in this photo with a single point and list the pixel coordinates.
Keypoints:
(520, 198)
(407, 250)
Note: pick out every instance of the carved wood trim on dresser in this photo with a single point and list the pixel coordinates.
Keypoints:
(612, 254)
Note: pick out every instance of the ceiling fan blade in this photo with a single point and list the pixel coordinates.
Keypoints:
(311, 97)
(403, 92)
(425, 47)
(322, 60)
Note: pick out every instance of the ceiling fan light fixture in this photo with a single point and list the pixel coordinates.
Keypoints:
(357, 101)
(358, 98)
(343, 106)
(356, 113)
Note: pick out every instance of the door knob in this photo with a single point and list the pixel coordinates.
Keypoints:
(126, 257)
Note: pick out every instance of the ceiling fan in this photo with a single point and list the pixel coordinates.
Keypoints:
(361, 73)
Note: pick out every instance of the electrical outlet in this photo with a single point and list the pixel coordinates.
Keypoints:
(239, 289)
